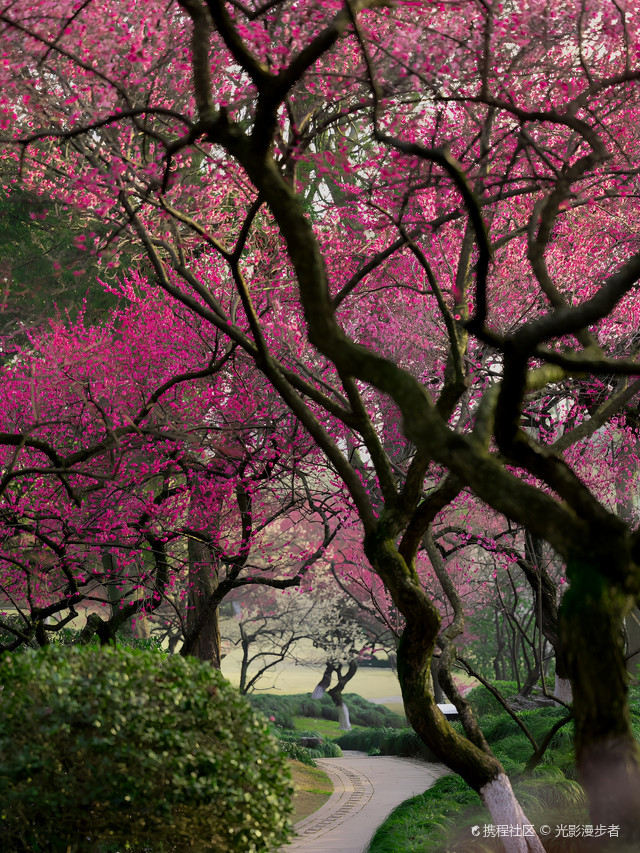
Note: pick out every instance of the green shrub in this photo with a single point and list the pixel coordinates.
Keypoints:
(105, 749)
(69, 637)
(7, 637)
(403, 742)
(290, 744)
(361, 711)
(484, 702)
(292, 749)
(279, 709)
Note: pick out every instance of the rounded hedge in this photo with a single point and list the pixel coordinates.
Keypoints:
(107, 749)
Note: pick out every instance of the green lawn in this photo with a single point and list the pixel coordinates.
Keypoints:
(287, 678)
(326, 728)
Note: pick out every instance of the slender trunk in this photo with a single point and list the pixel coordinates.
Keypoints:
(531, 680)
(116, 589)
(343, 718)
(438, 692)
(497, 661)
(203, 582)
(244, 666)
(336, 694)
(545, 602)
(592, 615)
(632, 625)
(562, 689)
(323, 685)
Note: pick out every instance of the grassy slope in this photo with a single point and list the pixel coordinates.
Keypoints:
(326, 728)
(442, 818)
(312, 788)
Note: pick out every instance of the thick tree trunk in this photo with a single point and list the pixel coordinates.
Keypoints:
(469, 756)
(203, 582)
(591, 621)
(562, 689)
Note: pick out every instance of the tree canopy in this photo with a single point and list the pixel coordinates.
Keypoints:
(416, 221)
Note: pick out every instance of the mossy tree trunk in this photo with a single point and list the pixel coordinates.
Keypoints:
(470, 756)
(591, 623)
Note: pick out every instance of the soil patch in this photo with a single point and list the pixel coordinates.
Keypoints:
(312, 789)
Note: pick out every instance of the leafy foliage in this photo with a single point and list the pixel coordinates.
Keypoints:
(361, 711)
(103, 748)
(484, 702)
(290, 744)
(41, 259)
(386, 742)
(441, 818)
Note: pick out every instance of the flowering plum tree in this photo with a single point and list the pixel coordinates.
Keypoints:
(133, 472)
(266, 630)
(418, 220)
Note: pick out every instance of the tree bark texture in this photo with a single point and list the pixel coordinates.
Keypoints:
(203, 582)
(591, 622)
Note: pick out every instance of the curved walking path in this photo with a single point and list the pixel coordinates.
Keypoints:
(366, 789)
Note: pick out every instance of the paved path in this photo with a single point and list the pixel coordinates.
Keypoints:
(366, 790)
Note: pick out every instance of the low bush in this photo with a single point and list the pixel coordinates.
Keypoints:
(377, 663)
(361, 711)
(69, 637)
(105, 749)
(290, 744)
(403, 742)
(484, 703)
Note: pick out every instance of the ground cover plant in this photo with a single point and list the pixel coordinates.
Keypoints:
(105, 749)
(289, 742)
(442, 818)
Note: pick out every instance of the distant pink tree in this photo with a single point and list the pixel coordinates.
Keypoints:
(133, 472)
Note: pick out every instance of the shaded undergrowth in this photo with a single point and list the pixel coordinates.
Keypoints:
(449, 817)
